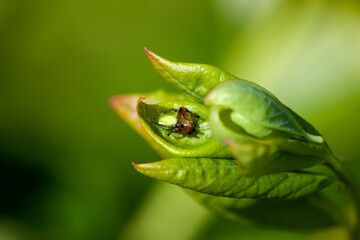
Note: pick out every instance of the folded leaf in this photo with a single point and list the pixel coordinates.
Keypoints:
(307, 213)
(195, 79)
(125, 106)
(259, 158)
(202, 143)
(263, 134)
(259, 112)
(220, 177)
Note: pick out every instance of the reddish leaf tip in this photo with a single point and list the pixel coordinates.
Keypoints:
(115, 101)
(122, 100)
(152, 56)
(141, 98)
(140, 167)
(148, 52)
(112, 101)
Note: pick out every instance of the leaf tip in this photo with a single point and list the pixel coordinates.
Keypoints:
(139, 167)
(122, 102)
(112, 101)
(145, 168)
(140, 99)
(150, 55)
(156, 60)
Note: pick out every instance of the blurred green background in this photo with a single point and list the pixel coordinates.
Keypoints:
(65, 156)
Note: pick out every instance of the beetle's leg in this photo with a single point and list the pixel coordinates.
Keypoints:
(174, 128)
(192, 114)
(195, 116)
(186, 113)
(183, 111)
(179, 113)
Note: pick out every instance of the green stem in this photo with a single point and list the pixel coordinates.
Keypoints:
(352, 186)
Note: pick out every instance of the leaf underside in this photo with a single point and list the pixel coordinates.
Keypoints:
(220, 177)
(307, 213)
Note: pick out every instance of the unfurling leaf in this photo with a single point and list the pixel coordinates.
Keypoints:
(263, 134)
(220, 177)
(258, 112)
(201, 143)
(125, 106)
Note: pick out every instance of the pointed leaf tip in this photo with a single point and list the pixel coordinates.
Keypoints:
(160, 64)
(124, 104)
(112, 102)
(116, 101)
(195, 79)
(148, 52)
(140, 99)
(147, 169)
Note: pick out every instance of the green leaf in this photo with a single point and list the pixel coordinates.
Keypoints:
(264, 135)
(259, 158)
(125, 106)
(307, 213)
(195, 79)
(220, 177)
(259, 112)
(200, 144)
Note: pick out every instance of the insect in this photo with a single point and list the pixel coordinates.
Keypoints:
(184, 126)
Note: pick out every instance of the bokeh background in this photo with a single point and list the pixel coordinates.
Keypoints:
(65, 156)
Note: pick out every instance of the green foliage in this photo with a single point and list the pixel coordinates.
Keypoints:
(257, 158)
(65, 155)
(248, 147)
(258, 111)
(265, 136)
(220, 177)
(195, 79)
(307, 213)
(202, 144)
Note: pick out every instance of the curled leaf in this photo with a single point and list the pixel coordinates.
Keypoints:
(195, 79)
(220, 177)
(202, 143)
(125, 106)
(263, 134)
(258, 111)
